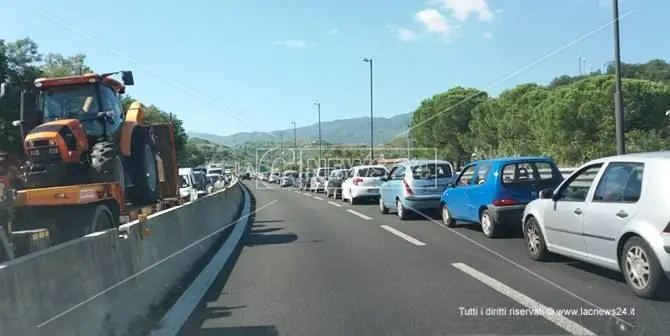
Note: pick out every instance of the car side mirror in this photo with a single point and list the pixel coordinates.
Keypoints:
(546, 194)
(383, 178)
(450, 185)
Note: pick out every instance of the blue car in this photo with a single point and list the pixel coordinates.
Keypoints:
(494, 193)
(414, 186)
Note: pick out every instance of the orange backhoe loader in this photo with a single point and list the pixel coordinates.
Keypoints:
(89, 162)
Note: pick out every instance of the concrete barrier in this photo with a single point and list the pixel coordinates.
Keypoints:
(100, 284)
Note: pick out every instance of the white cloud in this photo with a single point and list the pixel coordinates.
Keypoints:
(333, 31)
(404, 34)
(434, 21)
(463, 9)
(488, 35)
(291, 43)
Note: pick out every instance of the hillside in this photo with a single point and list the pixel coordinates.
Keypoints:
(345, 131)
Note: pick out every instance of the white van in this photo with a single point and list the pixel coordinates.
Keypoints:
(187, 189)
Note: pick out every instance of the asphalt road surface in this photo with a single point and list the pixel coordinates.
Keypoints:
(316, 266)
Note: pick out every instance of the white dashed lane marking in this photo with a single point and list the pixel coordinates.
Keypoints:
(354, 212)
(402, 235)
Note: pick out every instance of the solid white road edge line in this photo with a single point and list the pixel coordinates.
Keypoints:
(403, 235)
(306, 194)
(177, 316)
(354, 212)
(319, 198)
(561, 321)
(335, 204)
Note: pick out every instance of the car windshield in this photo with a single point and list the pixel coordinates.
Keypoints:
(324, 171)
(431, 170)
(372, 172)
(337, 173)
(184, 182)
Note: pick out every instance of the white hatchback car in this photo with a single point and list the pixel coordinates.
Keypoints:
(612, 212)
(363, 182)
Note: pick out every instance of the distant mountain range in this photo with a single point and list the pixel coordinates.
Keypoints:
(343, 131)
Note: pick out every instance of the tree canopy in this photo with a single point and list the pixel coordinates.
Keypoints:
(571, 119)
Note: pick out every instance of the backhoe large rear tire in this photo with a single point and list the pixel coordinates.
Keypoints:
(143, 171)
(107, 164)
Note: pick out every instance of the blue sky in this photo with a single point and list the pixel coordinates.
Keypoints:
(229, 66)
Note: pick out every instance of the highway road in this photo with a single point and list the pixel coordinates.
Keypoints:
(317, 266)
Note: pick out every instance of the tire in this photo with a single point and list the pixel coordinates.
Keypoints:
(535, 242)
(401, 211)
(446, 217)
(107, 164)
(382, 208)
(143, 171)
(639, 252)
(101, 219)
(488, 225)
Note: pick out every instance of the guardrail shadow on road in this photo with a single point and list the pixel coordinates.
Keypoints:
(256, 239)
(265, 230)
(241, 331)
(269, 221)
(219, 312)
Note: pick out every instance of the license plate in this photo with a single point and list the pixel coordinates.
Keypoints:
(373, 190)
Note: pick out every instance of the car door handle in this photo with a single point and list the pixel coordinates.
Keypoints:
(578, 211)
(622, 214)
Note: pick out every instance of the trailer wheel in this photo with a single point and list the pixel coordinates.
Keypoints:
(143, 171)
(101, 219)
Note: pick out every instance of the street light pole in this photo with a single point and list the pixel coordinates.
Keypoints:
(318, 108)
(295, 139)
(295, 142)
(409, 142)
(372, 142)
(618, 98)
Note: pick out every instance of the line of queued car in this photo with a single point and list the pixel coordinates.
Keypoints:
(612, 212)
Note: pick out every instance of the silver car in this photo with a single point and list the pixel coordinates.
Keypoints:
(319, 178)
(612, 212)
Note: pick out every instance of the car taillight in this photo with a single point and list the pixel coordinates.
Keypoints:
(357, 180)
(408, 190)
(503, 202)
